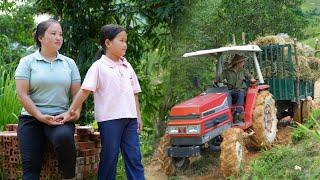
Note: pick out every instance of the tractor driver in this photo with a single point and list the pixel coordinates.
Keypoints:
(236, 78)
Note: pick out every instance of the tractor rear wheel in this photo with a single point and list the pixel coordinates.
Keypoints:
(166, 163)
(264, 121)
(232, 152)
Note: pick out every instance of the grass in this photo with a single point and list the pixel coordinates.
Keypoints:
(10, 106)
(297, 161)
(292, 162)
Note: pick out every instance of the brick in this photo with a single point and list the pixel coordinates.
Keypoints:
(83, 138)
(85, 145)
(98, 145)
(84, 130)
(85, 152)
(79, 176)
(76, 138)
(11, 127)
(80, 161)
(95, 137)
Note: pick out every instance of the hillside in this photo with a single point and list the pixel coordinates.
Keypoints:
(312, 8)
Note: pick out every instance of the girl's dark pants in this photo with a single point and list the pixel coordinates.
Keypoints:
(33, 136)
(120, 134)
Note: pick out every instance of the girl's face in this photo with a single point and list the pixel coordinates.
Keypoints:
(118, 46)
(52, 38)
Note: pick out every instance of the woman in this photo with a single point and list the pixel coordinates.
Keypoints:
(44, 81)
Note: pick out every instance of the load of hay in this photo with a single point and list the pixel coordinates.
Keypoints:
(307, 67)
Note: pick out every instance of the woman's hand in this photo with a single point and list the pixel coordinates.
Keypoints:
(49, 120)
(67, 116)
(140, 126)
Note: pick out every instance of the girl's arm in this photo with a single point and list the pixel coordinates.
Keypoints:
(22, 87)
(78, 100)
(140, 125)
(74, 90)
(80, 97)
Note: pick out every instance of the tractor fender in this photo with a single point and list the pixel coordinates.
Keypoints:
(251, 97)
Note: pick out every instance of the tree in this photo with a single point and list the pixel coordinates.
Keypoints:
(18, 24)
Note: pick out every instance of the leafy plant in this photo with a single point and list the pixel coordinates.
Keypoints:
(315, 132)
(10, 106)
(302, 131)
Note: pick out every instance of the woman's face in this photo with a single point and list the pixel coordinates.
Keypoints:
(52, 38)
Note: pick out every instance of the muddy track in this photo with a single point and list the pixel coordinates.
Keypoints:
(207, 167)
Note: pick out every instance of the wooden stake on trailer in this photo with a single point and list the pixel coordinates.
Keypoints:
(234, 39)
(243, 38)
(297, 105)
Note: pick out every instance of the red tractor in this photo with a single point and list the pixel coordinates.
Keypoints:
(205, 123)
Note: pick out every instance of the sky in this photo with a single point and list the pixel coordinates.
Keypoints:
(41, 17)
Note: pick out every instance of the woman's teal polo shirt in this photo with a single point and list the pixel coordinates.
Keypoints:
(49, 81)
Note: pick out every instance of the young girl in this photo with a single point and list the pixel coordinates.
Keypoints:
(115, 88)
(45, 80)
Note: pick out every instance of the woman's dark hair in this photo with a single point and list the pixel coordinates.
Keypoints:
(109, 31)
(41, 29)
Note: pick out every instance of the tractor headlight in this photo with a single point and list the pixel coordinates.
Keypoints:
(192, 129)
(172, 130)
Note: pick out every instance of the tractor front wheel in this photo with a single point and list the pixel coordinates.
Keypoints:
(166, 163)
(232, 152)
(264, 121)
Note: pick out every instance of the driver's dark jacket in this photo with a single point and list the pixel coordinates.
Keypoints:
(236, 79)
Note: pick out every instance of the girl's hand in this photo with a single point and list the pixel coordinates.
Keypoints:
(140, 126)
(49, 120)
(67, 116)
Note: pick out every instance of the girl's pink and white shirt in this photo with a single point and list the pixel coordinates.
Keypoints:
(113, 85)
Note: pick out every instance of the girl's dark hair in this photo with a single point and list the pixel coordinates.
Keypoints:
(109, 31)
(41, 29)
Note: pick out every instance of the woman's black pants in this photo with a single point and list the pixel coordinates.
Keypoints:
(33, 136)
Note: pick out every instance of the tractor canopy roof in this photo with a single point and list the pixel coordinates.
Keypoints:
(224, 50)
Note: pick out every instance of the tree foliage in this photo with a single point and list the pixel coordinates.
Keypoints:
(147, 22)
(259, 18)
(211, 23)
(18, 24)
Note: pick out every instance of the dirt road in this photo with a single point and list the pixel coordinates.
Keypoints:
(207, 167)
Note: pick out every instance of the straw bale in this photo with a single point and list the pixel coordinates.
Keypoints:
(307, 67)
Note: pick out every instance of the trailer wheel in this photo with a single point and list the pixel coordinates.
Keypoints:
(166, 163)
(306, 109)
(181, 163)
(232, 152)
(264, 121)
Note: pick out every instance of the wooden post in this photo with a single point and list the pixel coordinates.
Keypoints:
(316, 48)
(297, 114)
(234, 39)
(243, 38)
(297, 106)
